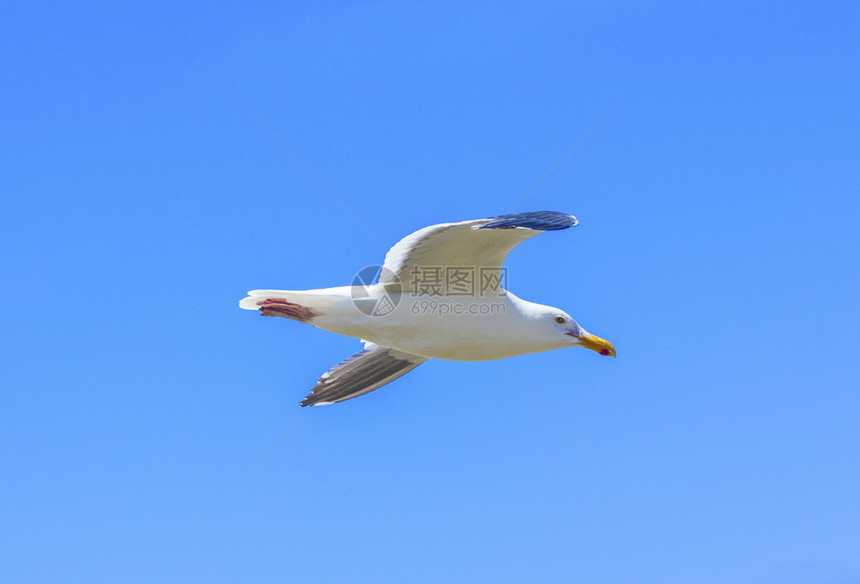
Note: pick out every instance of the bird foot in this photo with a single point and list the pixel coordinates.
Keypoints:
(284, 309)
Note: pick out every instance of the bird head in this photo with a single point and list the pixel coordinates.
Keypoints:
(578, 336)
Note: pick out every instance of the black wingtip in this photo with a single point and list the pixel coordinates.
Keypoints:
(313, 401)
(537, 220)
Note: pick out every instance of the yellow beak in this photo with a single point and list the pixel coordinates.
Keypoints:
(597, 344)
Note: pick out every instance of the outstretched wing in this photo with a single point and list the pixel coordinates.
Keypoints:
(481, 243)
(369, 369)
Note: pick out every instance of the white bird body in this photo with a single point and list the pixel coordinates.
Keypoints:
(410, 315)
(453, 328)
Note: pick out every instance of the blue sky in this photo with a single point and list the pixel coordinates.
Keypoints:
(717, 250)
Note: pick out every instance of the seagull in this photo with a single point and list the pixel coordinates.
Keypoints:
(439, 295)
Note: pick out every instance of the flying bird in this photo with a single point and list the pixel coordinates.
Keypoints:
(439, 295)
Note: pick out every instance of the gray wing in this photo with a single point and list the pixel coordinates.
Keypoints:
(369, 369)
(477, 244)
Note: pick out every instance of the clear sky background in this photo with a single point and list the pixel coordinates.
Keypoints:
(717, 250)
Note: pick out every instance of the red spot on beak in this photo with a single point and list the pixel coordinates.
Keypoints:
(604, 351)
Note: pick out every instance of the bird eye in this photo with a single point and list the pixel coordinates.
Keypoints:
(559, 319)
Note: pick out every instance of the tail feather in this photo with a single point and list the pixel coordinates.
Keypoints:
(317, 300)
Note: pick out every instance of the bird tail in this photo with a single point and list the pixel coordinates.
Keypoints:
(318, 301)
